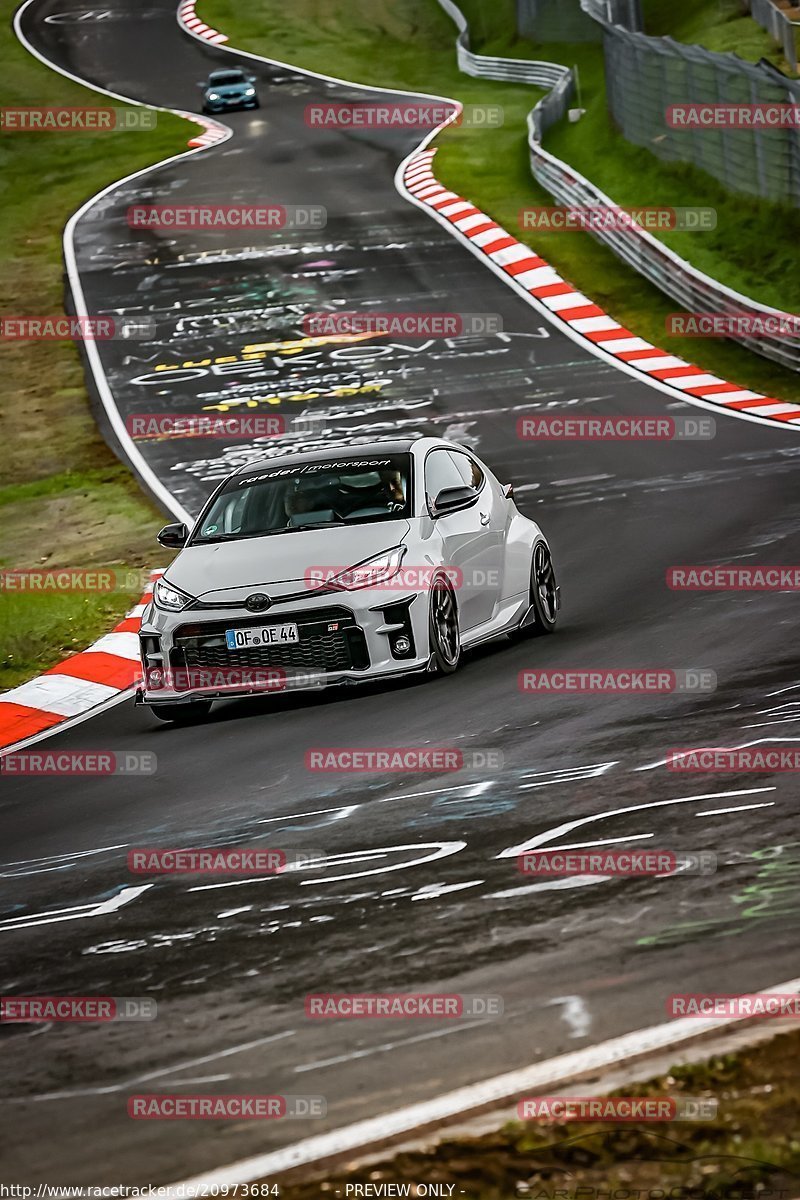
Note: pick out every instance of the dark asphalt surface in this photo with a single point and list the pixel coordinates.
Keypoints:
(230, 964)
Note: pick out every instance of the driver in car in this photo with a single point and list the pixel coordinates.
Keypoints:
(305, 496)
(393, 483)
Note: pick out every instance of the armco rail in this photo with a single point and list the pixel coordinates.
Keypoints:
(518, 70)
(673, 275)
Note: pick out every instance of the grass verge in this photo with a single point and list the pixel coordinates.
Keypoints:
(720, 25)
(410, 44)
(750, 1150)
(65, 500)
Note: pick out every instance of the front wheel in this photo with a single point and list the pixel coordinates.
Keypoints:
(545, 594)
(185, 713)
(445, 635)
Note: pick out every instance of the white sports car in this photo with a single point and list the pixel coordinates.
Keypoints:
(339, 565)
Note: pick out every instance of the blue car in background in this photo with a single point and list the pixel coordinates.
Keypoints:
(229, 89)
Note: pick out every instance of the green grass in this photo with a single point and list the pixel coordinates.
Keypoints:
(37, 631)
(719, 25)
(64, 498)
(410, 43)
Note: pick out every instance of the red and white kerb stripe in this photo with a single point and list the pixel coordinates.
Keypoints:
(577, 311)
(78, 684)
(188, 17)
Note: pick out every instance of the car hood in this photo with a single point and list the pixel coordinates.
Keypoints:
(229, 89)
(230, 571)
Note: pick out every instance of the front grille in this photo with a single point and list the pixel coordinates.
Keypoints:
(289, 598)
(330, 640)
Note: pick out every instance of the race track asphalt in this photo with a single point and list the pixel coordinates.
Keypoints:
(230, 964)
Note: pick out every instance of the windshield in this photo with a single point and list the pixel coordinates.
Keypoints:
(309, 495)
(226, 77)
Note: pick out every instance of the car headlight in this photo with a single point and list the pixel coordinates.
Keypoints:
(212, 96)
(168, 597)
(250, 92)
(370, 573)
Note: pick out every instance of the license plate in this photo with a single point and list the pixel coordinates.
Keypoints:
(268, 635)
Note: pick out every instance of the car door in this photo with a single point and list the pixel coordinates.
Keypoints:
(493, 516)
(470, 544)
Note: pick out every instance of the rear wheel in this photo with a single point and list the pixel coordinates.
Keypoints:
(185, 713)
(445, 635)
(544, 593)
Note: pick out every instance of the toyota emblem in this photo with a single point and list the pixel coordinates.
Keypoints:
(257, 602)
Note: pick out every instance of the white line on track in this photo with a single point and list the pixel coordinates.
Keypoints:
(662, 762)
(580, 479)
(384, 1047)
(486, 1094)
(716, 812)
(161, 1073)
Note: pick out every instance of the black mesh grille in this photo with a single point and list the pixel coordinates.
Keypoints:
(329, 641)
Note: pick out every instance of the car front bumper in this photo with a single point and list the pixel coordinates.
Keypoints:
(219, 106)
(344, 637)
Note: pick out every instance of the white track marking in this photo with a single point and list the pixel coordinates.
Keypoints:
(384, 1047)
(546, 837)
(432, 891)
(56, 858)
(550, 885)
(574, 1014)
(662, 762)
(340, 814)
(716, 812)
(350, 857)
(49, 863)
(161, 1073)
(489, 1092)
(635, 837)
(566, 775)
(75, 912)
(580, 479)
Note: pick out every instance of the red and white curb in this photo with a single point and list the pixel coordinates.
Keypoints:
(109, 667)
(212, 133)
(188, 17)
(568, 308)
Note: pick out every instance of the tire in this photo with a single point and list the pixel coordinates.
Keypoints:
(257, 104)
(443, 630)
(185, 713)
(545, 594)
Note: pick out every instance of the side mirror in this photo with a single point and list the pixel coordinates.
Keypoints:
(452, 499)
(202, 83)
(174, 536)
(251, 78)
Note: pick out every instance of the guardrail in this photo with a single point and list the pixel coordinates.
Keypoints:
(671, 274)
(515, 70)
(769, 17)
(627, 13)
